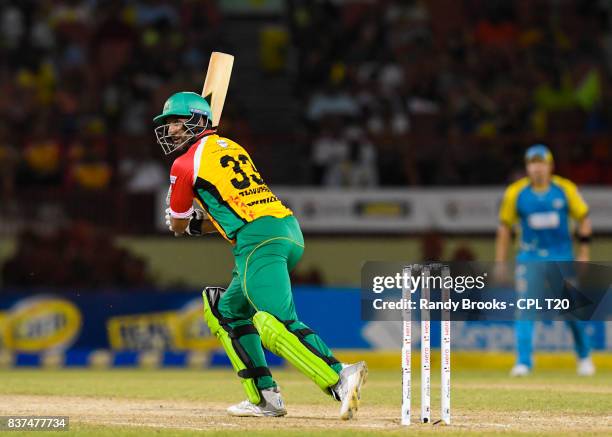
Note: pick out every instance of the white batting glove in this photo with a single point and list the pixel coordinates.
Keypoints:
(169, 223)
(169, 219)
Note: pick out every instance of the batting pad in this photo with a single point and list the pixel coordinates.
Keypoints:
(280, 341)
(232, 346)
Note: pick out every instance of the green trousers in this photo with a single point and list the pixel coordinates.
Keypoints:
(266, 250)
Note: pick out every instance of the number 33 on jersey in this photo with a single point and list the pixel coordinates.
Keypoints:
(220, 175)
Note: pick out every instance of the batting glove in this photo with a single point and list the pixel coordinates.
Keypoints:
(169, 219)
(195, 223)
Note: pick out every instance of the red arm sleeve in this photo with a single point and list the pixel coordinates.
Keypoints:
(181, 189)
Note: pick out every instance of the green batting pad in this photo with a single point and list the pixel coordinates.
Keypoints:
(280, 341)
(217, 330)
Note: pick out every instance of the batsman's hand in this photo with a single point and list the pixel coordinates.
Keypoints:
(195, 223)
(194, 226)
(169, 222)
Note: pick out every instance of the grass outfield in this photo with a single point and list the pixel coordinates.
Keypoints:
(185, 402)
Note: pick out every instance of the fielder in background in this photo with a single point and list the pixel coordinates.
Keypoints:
(257, 307)
(542, 205)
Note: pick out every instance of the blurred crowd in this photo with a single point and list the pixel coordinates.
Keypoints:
(79, 257)
(393, 92)
(81, 80)
(446, 92)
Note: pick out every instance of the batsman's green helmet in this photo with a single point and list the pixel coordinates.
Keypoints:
(184, 104)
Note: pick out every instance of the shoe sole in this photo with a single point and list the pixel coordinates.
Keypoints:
(355, 395)
(252, 414)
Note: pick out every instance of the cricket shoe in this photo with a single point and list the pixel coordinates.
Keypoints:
(348, 388)
(271, 405)
(585, 367)
(520, 370)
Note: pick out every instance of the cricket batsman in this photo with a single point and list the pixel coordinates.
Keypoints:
(542, 205)
(257, 307)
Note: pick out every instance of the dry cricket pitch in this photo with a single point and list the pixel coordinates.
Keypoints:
(182, 402)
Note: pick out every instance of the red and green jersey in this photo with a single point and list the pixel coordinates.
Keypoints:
(220, 175)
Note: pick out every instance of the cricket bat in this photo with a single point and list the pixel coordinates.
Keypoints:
(216, 83)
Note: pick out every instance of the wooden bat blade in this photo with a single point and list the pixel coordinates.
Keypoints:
(217, 82)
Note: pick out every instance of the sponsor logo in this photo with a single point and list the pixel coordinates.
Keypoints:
(544, 220)
(251, 191)
(382, 209)
(270, 199)
(222, 143)
(198, 111)
(193, 330)
(558, 203)
(172, 179)
(152, 331)
(43, 323)
(5, 339)
(174, 330)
